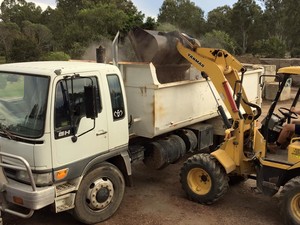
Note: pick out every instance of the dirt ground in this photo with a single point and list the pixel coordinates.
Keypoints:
(158, 199)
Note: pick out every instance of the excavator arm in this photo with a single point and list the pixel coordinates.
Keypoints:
(222, 69)
(173, 52)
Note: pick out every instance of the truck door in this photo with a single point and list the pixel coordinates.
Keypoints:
(91, 135)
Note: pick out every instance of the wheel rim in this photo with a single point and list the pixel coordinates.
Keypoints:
(295, 206)
(199, 181)
(100, 194)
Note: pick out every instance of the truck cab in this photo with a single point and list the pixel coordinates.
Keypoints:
(58, 121)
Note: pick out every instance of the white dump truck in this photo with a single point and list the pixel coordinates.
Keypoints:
(69, 131)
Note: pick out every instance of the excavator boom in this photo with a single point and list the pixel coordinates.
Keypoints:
(222, 68)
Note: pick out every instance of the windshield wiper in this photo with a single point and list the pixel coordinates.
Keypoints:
(7, 133)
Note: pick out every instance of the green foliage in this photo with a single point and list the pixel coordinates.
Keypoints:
(272, 47)
(244, 15)
(55, 20)
(183, 14)
(23, 50)
(74, 24)
(108, 24)
(86, 22)
(56, 56)
(8, 33)
(219, 19)
(38, 34)
(219, 39)
(150, 24)
(295, 52)
(77, 50)
(15, 12)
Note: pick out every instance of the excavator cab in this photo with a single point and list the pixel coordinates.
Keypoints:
(273, 122)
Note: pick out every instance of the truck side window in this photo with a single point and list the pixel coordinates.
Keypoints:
(116, 96)
(62, 110)
(69, 104)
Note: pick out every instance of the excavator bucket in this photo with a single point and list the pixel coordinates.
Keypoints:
(160, 49)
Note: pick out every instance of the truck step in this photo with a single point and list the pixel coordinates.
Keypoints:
(64, 208)
(65, 188)
(64, 202)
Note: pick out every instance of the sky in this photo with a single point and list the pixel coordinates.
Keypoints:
(151, 7)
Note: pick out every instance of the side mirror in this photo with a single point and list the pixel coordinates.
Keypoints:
(90, 102)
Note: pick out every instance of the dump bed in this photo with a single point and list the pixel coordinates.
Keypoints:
(156, 108)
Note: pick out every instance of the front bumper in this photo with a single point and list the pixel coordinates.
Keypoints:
(23, 195)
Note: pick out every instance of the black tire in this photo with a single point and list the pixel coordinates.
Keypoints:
(203, 179)
(289, 202)
(100, 194)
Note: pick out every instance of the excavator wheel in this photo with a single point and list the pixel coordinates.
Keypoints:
(203, 179)
(289, 202)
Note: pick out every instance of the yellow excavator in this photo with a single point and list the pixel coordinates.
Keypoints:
(205, 176)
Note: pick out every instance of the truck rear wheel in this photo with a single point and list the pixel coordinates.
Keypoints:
(100, 194)
(289, 202)
(203, 179)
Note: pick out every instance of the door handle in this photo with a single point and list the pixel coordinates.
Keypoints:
(101, 132)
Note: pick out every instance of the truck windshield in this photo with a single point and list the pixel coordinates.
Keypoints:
(23, 100)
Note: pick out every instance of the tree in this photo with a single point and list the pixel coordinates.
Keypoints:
(85, 22)
(282, 19)
(55, 20)
(291, 21)
(108, 24)
(39, 34)
(56, 56)
(219, 19)
(274, 18)
(183, 14)
(219, 39)
(244, 16)
(16, 11)
(150, 24)
(23, 50)
(8, 33)
(272, 47)
(71, 9)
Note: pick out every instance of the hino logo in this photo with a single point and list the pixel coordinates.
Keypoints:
(196, 60)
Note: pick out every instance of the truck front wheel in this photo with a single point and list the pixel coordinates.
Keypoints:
(203, 179)
(289, 202)
(100, 194)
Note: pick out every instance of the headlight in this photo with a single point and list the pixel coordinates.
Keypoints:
(40, 179)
